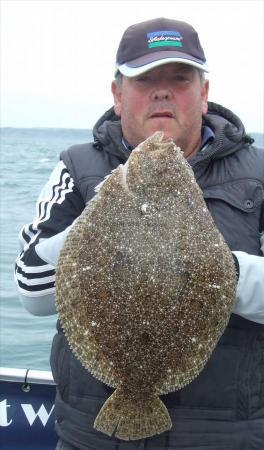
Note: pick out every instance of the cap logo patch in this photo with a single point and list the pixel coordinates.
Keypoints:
(164, 38)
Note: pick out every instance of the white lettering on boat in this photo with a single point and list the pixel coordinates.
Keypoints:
(3, 414)
(43, 414)
(31, 415)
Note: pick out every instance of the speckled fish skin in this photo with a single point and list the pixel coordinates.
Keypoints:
(145, 286)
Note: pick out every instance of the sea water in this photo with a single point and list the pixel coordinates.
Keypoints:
(27, 157)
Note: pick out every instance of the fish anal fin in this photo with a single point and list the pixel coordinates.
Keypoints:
(129, 420)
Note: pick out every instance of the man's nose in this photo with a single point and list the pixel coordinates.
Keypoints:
(161, 94)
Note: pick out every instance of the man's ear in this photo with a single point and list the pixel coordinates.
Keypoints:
(205, 91)
(117, 93)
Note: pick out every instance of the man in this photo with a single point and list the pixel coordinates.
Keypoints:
(160, 85)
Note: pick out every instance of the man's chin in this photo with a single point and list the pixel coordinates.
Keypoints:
(167, 133)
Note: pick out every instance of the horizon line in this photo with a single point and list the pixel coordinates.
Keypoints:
(77, 129)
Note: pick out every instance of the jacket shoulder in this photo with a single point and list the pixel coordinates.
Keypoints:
(76, 153)
(87, 165)
(84, 161)
(258, 151)
(254, 159)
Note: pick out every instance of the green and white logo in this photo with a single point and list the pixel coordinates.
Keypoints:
(164, 39)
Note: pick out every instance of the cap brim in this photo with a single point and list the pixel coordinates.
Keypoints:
(146, 63)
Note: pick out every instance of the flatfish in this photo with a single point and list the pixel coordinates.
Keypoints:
(145, 286)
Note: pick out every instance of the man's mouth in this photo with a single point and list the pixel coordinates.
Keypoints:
(162, 114)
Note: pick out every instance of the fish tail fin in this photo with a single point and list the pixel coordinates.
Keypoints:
(130, 420)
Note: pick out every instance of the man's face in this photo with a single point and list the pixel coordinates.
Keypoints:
(170, 98)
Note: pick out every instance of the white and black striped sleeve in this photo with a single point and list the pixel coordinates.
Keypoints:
(250, 288)
(58, 205)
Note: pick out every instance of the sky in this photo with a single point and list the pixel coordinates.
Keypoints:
(58, 56)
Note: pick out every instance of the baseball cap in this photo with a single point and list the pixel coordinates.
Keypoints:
(153, 43)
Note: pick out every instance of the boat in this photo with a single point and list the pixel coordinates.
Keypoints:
(27, 409)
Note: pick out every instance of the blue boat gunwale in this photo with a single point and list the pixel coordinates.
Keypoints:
(27, 413)
(31, 376)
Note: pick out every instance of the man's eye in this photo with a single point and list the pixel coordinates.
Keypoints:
(181, 78)
(143, 79)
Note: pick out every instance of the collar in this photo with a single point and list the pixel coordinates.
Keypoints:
(127, 146)
(207, 137)
(206, 133)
